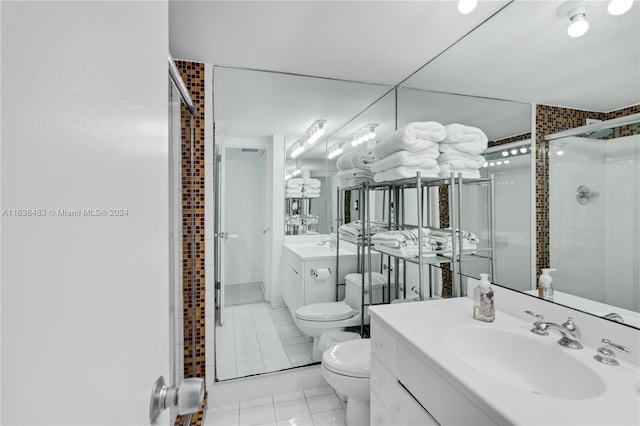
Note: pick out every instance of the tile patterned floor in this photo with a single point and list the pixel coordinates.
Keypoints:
(311, 407)
(242, 294)
(256, 339)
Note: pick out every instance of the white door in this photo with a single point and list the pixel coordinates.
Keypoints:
(85, 252)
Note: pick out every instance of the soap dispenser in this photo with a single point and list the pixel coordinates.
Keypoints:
(483, 305)
(545, 290)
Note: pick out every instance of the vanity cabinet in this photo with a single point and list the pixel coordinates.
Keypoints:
(406, 391)
(300, 286)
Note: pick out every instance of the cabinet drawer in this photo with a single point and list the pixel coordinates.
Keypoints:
(379, 415)
(443, 401)
(383, 345)
(401, 406)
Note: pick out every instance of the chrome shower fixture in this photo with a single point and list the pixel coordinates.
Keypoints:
(584, 194)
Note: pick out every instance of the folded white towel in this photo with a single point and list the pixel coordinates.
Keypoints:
(396, 238)
(295, 182)
(414, 137)
(445, 172)
(404, 172)
(461, 160)
(293, 194)
(422, 159)
(349, 183)
(466, 138)
(312, 183)
(354, 173)
(308, 190)
(364, 160)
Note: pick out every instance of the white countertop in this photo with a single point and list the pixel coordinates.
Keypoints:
(422, 327)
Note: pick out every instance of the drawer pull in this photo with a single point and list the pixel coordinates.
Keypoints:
(378, 344)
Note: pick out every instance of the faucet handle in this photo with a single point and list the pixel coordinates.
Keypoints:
(571, 326)
(540, 317)
(606, 355)
(539, 327)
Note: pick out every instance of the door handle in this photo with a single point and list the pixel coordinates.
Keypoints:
(226, 235)
(187, 398)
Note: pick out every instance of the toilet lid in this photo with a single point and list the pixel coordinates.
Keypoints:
(351, 358)
(332, 311)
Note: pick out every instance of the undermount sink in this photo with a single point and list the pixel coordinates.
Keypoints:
(524, 363)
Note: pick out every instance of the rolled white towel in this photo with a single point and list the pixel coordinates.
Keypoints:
(312, 183)
(354, 173)
(356, 158)
(293, 194)
(308, 190)
(422, 159)
(404, 172)
(414, 137)
(461, 160)
(465, 138)
(445, 172)
(295, 183)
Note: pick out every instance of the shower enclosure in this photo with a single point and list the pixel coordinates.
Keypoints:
(594, 206)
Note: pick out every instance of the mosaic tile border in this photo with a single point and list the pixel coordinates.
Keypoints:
(193, 236)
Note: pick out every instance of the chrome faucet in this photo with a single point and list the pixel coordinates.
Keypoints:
(569, 331)
(332, 240)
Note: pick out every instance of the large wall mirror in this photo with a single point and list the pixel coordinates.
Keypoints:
(507, 77)
(595, 247)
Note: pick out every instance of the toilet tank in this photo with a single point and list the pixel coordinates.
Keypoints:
(353, 291)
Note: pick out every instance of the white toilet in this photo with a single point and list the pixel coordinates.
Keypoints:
(318, 318)
(346, 367)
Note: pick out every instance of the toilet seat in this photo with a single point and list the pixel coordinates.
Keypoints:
(351, 358)
(325, 312)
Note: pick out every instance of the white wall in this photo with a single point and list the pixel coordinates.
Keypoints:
(275, 206)
(85, 318)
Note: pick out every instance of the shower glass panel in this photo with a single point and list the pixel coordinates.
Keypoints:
(594, 205)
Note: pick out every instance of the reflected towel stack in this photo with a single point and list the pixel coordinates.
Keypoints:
(354, 232)
(460, 151)
(411, 149)
(302, 188)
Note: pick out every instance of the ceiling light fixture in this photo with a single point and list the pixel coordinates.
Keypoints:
(505, 153)
(579, 25)
(467, 6)
(364, 134)
(296, 149)
(334, 151)
(619, 7)
(315, 131)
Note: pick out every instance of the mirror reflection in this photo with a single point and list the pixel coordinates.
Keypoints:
(529, 207)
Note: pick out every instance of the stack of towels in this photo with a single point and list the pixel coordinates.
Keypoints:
(460, 151)
(411, 149)
(404, 243)
(354, 167)
(445, 236)
(302, 188)
(354, 232)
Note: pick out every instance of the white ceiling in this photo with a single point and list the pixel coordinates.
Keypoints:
(368, 41)
(521, 54)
